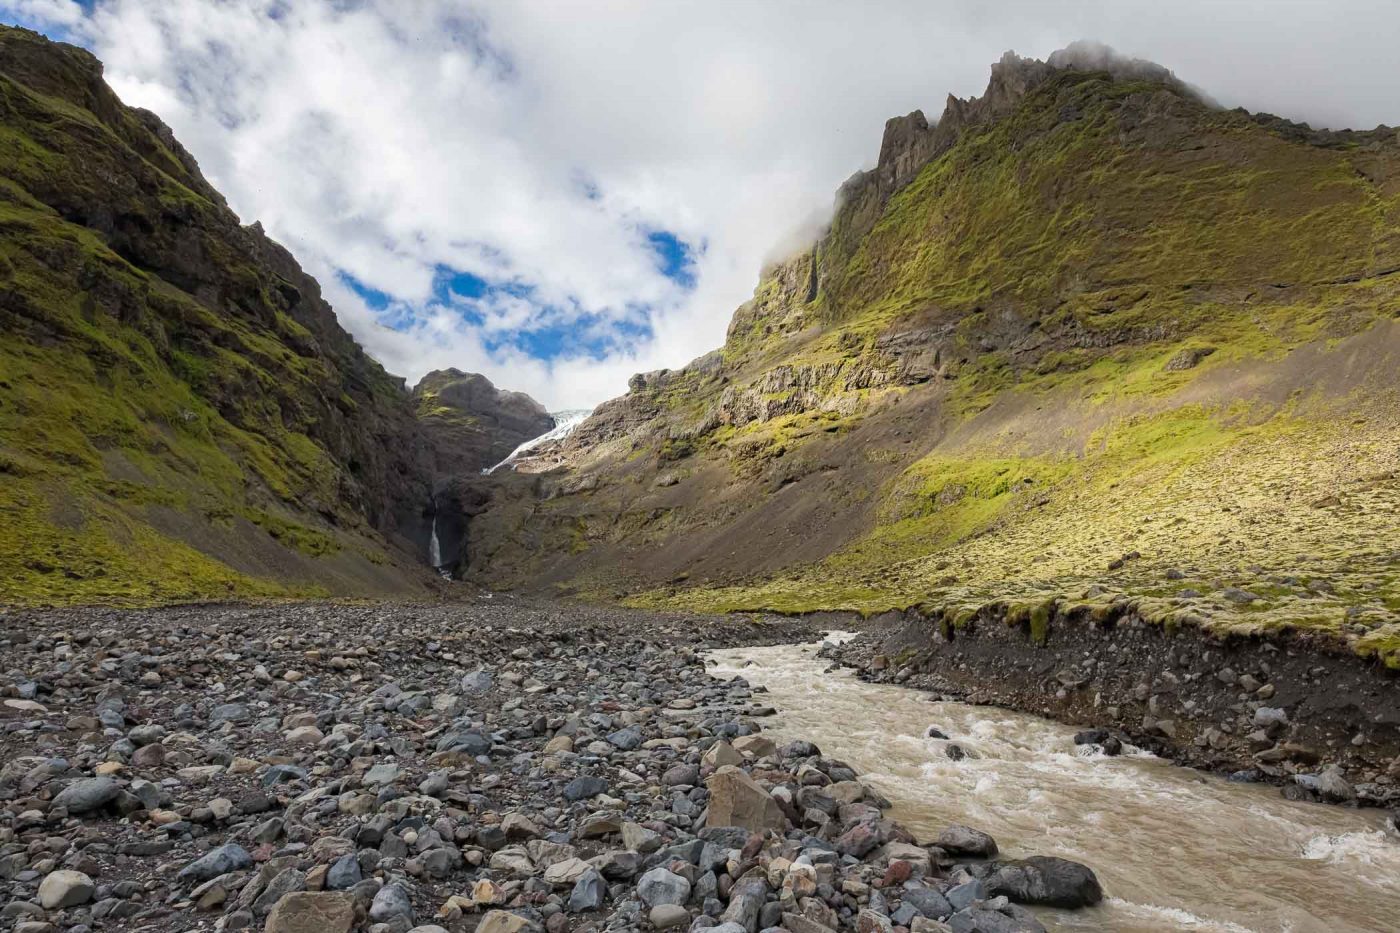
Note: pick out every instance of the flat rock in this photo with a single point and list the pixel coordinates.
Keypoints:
(312, 912)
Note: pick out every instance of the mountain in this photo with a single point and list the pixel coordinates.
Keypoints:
(471, 424)
(1087, 340)
(181, 415)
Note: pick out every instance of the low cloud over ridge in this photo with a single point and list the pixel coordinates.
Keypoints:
(540, 148)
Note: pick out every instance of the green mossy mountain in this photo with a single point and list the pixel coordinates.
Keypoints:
(1087, 339)
(181, 415)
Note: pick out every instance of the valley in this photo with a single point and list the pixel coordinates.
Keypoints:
(1079, 417)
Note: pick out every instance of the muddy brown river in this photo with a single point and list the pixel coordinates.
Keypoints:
(1173, 848)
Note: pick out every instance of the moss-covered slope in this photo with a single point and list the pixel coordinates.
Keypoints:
(1086, 338)
(181, 417)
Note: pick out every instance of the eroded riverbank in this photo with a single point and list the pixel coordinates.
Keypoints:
(1283, 707)
(1174, 848)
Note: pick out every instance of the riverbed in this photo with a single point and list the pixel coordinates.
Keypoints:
(1173, 848)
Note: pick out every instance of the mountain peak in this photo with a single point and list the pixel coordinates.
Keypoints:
(910, 141)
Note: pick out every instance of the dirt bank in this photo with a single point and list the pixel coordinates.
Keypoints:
(1289, 709)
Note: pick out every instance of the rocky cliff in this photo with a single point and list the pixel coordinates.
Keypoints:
(1086, 339)
(181, 415)
(471, 425)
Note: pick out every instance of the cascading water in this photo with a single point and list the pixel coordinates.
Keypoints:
(435, 546)
(435, 549)
(1174, 849)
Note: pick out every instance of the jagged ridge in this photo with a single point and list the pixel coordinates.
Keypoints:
(1084, 289)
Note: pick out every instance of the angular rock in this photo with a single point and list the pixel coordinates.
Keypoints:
(737, 800)
(312, 912)
(220, 861)
(660, 886)
(390, 903)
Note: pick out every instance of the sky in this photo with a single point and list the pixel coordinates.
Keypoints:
(560, 193)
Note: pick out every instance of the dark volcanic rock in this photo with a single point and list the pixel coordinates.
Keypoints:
(472, 425)
(1047, 881)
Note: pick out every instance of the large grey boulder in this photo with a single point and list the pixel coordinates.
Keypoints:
(87, 795)
(1045, 881)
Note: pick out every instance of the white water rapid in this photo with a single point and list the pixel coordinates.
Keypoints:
(1173, 848)
(564, 424)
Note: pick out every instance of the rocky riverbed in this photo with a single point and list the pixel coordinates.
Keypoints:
(496, 766)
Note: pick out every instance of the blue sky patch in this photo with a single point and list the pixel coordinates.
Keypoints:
(553, 332)
(675, 258)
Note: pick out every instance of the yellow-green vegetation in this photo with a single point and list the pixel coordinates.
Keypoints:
(1103, 232)
(1167, 376)
(1180, 511)
(155, 380)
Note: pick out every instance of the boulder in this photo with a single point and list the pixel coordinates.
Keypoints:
(391, 903)
(1045, 881)
(63, 889)
(220, 861)
(500, 921)
(755, 746)
(584, 787)
(588, 893)
(964, 840)
(737, 800)
(722, 753)
(87, 795)
(666, 916)
(660, 886)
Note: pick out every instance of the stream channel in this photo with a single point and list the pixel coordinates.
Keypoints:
(1173, 848)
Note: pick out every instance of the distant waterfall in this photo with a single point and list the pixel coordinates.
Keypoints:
(434, 546)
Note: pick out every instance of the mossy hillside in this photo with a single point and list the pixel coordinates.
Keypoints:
(157, 355)
(1085, 238)
(1078, 204)
(1181, 512)
(1163, 331)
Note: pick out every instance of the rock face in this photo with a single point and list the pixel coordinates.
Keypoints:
(471, 425)
(214, 430)
(954, 369)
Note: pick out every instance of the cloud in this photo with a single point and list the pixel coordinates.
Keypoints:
(542, 147)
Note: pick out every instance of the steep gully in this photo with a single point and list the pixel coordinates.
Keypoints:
(1174, 849)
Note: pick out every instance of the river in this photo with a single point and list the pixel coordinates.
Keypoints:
(1174, 849)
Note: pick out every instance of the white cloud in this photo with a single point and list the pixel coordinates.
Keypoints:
(390, 137)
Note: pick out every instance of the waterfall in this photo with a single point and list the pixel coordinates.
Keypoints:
(434, 547)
